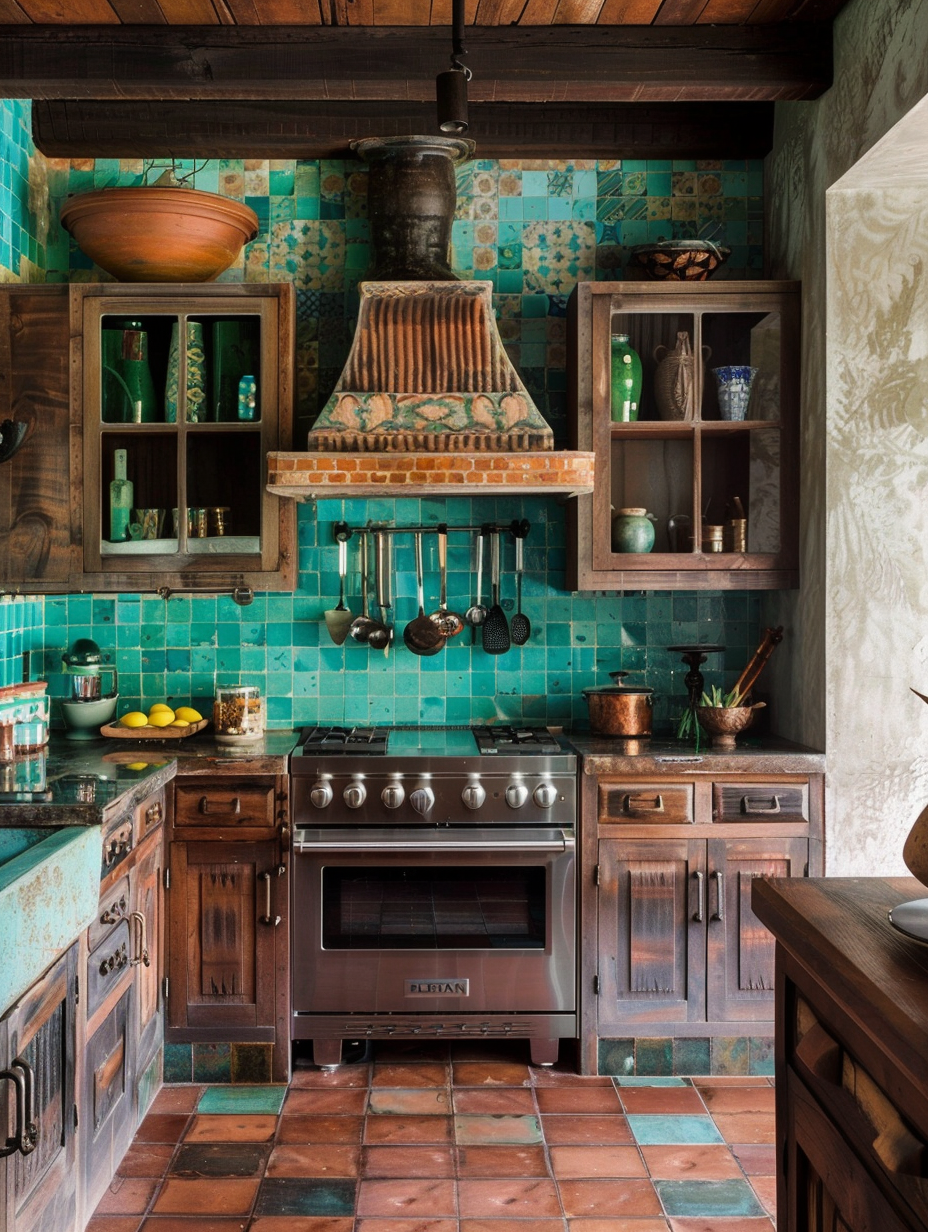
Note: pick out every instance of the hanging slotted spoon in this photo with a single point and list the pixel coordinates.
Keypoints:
(496, 638)
(520, 628)
(338, 619)
(450, 623)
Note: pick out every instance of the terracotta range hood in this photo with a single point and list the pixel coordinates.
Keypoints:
(428, 403)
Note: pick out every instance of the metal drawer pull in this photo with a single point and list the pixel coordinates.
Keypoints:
(115, 911)
(640, 804)
(118, 847)
(267, 918)
(26, 1133)
(154, 815)
(700, 897)
(754, 808)
(720, 895)
(234, 806)
(141, 950)
(117, 961)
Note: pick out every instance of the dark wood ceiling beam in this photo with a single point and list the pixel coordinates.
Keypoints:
(87, 129)
(510, 64)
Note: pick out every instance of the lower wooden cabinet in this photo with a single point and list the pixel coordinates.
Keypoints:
(38, 1046)
(228, 906)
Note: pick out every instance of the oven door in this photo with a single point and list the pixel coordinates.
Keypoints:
(405, 921)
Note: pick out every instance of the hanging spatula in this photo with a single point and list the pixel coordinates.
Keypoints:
(496, 638)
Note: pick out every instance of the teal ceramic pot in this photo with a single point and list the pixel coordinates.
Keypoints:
(626, 380)
(632, 531)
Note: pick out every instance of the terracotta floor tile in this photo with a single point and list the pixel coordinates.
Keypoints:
(514, 1225)
(176, 1099)
(766, 1189)
(494, 1101)
(605, 1198)
(553, 1077)
(752, 1127)
(757, 1160)
(314, 1161)
(691, 1161)
(146, 1159)
(192, 1223)
(486, 1130)
(224, 1128)
(306, 1196)
(595, 1161)
(526, 1199)
(511, 1161)
(408, 1225)
(162, 1127)
(620, 1225)
(433, 1101)
(431, 1074)
(184, 1197)
(114, 1223)
(407, 1161)
(564, 1130)
(673, 1101)
(405, 1199)
(730, 1080)
(689, 1223)
(490, 1073)
(318, 1130)
(302, 1223)
(344, 1076)
(127, 1196)
(317, 1102)
(404, 1131)
(198, 1160)
(578, 1099)
(728, 1100)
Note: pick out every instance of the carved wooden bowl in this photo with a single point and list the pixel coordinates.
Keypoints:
(159, 234)
(723, 723)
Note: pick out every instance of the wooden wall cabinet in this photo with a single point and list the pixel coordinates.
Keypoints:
(668, 866)
(228, 963)
(691, 470)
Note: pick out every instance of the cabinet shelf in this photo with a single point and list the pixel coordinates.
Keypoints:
(693, 471)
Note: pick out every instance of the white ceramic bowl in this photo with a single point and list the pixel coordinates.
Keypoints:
(84, 719)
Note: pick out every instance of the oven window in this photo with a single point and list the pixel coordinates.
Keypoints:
(433, 909)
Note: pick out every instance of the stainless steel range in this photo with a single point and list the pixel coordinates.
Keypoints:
(434, 886)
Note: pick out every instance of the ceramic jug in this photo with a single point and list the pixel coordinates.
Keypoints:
(675, 378)
(633, 530)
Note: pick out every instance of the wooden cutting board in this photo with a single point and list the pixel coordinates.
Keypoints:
(148, 732)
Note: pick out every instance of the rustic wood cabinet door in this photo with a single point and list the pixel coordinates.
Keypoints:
(107, 1113)
(652, 938)
(224, 950)
(740, 949)
(40, 1189)
(147, 946)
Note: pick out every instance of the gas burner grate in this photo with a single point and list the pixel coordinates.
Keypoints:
(344, 739)
(507, 739)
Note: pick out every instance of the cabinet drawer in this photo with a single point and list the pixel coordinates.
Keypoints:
(760, 802)
(660, 803)
(115, 905)
(107, 965)
(150, 814)
(234, 807)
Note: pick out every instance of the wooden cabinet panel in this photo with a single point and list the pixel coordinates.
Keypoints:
(760, 802)
(651, 962)
(148, 949)
(233, 807)
(107, 1118)
(39, 1190)
(655, 803)
(740, 949)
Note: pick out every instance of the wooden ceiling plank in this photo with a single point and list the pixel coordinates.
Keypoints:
(74, 12)
(498, 12)
(538, 12)
(577, 12)
(287, 12)
(734, 12)
(148, 129)
(139, 12)
(401, 12)
(189, 12)
(679, 12)
(11, 13)
(629, 12)
(512, 63)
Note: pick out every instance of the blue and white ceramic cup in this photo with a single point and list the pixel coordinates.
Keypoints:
(735, 383)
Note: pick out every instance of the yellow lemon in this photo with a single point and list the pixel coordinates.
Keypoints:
(137, 765)
(179, 723)
(134, 718)
(158, 706)
(161, 718)
(188, 714)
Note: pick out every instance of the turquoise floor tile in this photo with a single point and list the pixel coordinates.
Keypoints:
(708, 1199)
(645, 1080)
(242, 1100)
(670, 1130)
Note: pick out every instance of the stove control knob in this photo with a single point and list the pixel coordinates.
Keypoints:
(393, 795)
(422, 800)
(355, 794)
(545, 795)
(516, 795)
(321, 794)
(473, 794)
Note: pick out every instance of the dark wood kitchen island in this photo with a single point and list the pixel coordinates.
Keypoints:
(851, 1056)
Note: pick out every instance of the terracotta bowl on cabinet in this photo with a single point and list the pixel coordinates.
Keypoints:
(159, 234)
(723, 723)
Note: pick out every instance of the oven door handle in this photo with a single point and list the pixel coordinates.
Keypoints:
(354, 842)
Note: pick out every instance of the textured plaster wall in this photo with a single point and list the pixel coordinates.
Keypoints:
(859, 622)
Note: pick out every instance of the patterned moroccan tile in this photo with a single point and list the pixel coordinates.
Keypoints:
(666, 1130)
(708, 1198)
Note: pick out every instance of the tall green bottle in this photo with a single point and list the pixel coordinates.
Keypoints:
(122, 495)
(626, 380)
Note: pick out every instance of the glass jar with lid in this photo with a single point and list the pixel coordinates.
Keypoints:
(238, 713)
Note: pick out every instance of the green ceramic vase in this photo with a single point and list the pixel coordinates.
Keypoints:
(626, 380)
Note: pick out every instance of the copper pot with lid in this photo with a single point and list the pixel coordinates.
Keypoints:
(620, 709)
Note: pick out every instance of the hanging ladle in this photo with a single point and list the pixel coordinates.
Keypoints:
(360, 628)
(381, 634)
(338, 619)
(450, 623)
(476, 614)
(421, 635)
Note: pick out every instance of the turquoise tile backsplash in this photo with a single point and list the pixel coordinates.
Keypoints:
(533, 229)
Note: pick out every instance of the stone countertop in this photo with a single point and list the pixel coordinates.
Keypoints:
(753, 755)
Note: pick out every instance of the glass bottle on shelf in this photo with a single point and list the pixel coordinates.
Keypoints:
(626, 380)
(122, 495)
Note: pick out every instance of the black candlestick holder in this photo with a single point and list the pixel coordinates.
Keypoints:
(694, 657)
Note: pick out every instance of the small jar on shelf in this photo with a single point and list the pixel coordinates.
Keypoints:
(238, 714)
